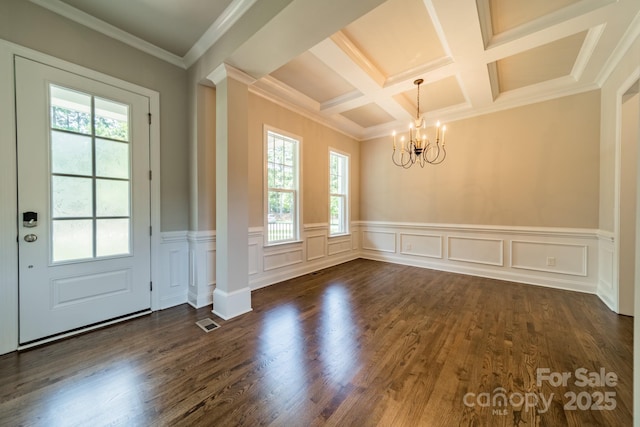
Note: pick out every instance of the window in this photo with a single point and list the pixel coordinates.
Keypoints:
(282, 194)
(338, 193)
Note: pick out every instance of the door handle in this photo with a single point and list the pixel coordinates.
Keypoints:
(29, 238)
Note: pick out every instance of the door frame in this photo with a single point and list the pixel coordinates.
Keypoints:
(9, 280)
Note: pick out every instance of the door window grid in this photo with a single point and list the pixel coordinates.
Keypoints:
(90, 176)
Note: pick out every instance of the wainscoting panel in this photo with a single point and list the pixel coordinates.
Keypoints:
(584, 259)
(425, 245)
(173, 281)
(551, 257)
(381, 241)
(476, 250)
(202, 247)
(340, 245)
(283, 258)
(517, 254)
(355, 239)
(255, 250)
(316, 246)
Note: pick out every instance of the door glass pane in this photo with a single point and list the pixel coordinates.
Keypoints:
(112, 159)
(112, 119)
(71, 153)
(90, 176)
(112, 237)
(71, 197)
(112, 198)
(72, 239)
(70, 110)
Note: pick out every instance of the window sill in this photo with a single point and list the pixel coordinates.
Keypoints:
(335, 236)
(287, 242)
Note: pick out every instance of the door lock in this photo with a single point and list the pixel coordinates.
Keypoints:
(29, 238)
(30, 219)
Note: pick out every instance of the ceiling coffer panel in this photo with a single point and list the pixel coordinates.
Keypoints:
(368, 115)
(433, 96)
(509, 14)
(396, 36)
(311, 77)
(523, 69)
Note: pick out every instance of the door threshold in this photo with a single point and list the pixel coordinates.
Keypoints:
(81, 330)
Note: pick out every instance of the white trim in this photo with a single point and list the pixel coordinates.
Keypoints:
(8, 207)
(316, 226)
(632, 33)
(220, 26)
(224, 71)
(540, 231)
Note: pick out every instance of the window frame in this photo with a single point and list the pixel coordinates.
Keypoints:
(297, 191)
(346, 195)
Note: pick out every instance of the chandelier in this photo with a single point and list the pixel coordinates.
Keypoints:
(419, 149)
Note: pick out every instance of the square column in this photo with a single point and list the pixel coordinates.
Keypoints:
(232, 295)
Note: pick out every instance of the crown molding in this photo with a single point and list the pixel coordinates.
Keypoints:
(338, 124)
(632, 33)
(220, 26)
(224, 71)
(109, 30)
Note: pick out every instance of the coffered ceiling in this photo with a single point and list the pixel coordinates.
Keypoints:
(475, 56)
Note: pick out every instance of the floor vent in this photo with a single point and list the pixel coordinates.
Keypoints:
(207, 325)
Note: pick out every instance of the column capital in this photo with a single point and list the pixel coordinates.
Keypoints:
(224, 71)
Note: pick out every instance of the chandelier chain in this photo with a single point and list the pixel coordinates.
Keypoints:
(418, 110)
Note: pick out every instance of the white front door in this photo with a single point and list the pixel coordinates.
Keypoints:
(83, 171)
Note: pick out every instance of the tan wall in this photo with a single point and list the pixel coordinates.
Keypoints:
(315, 164)
(26, 24)
(535, 165)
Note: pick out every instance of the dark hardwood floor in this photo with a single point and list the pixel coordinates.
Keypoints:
(364, 343)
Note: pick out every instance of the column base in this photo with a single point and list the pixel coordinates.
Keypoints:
(228, 305)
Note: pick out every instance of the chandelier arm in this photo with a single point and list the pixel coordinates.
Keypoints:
(444, 155)
(436, 159)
